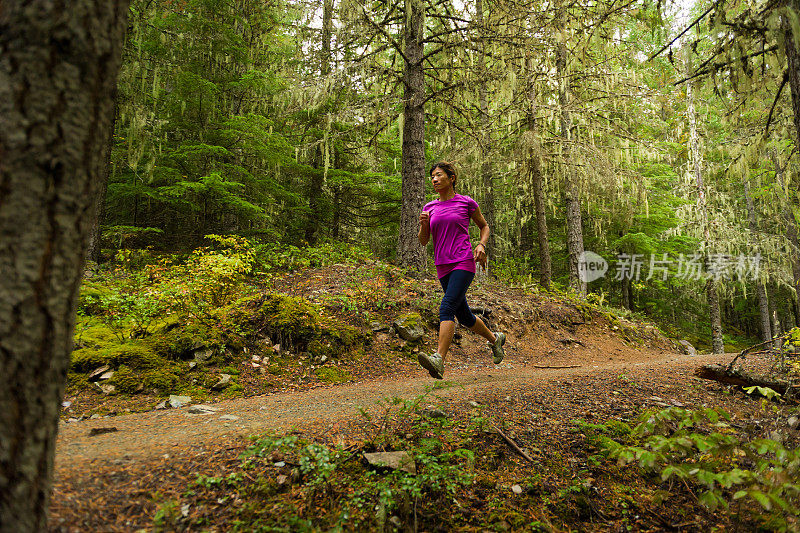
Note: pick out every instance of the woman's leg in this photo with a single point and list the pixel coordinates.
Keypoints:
(454, 304)
(481, 329)
(447, 329)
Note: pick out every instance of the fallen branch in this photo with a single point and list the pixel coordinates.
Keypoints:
(744, 379)
(513, 444)
(549, 366)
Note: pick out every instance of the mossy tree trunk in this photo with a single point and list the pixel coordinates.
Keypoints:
(409, 252)
(761, 292)
(315, 218)
(572, 195)
(58, 73)
(487, 176)
(696, 171)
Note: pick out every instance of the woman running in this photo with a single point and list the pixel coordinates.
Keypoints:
(447, 221)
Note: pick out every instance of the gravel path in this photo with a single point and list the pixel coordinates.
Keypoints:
(149, 434)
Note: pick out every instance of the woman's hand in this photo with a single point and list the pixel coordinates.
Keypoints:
(479, 254)
(424, 219)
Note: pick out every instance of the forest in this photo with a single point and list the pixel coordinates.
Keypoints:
(297, 123)
(215, 295)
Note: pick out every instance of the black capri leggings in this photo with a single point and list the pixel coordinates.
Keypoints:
(454, 304)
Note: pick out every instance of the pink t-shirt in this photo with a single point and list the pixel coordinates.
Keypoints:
(449, 222)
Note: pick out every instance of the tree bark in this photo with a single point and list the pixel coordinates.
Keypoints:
(761, 291)
(745, 379)
(791, 231)
(409, 252)
(58, 73)
(487, 202)
(535, 164)
(315, 222)
(793, 61)
(571, 187)
(696, 171)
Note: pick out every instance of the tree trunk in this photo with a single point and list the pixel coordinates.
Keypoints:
(99, 215)
(571, 187)
(409, 252)
(487, 202)
(791, 231)
(761, 292)
(773, 316)
(793, 60)
(535, 164)
(58, 73)
(315, 221)
(696, 170)
(627, 298)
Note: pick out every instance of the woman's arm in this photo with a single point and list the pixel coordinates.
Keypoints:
(480, 248)
(424, 227)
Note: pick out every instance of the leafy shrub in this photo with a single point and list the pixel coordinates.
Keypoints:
(367, 497)
(91, 297)
(272, 256)
(701, 448)
(215, 274)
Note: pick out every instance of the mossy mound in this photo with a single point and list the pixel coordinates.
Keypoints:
(91, 298)
(295, 323)
(335, 339)
(126, 380)
(132, 354)
(332, 374)
(183, 339)
(91, 334)
(287, 319)
(163, 380)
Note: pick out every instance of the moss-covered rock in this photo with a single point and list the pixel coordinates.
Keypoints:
(286, 318)
(410, 327)
(164, 380)
(332, 374)
(135, 355)
(126, 380)
(87, 359)
(181, 341)
(132, 354)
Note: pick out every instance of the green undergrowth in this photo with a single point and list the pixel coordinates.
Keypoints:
(171, 324)
(703, 455)
(466, 477)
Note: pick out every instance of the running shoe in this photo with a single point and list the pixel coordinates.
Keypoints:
(433, 364)
(497, 347)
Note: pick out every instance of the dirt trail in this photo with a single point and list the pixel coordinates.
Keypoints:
(149, 434)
